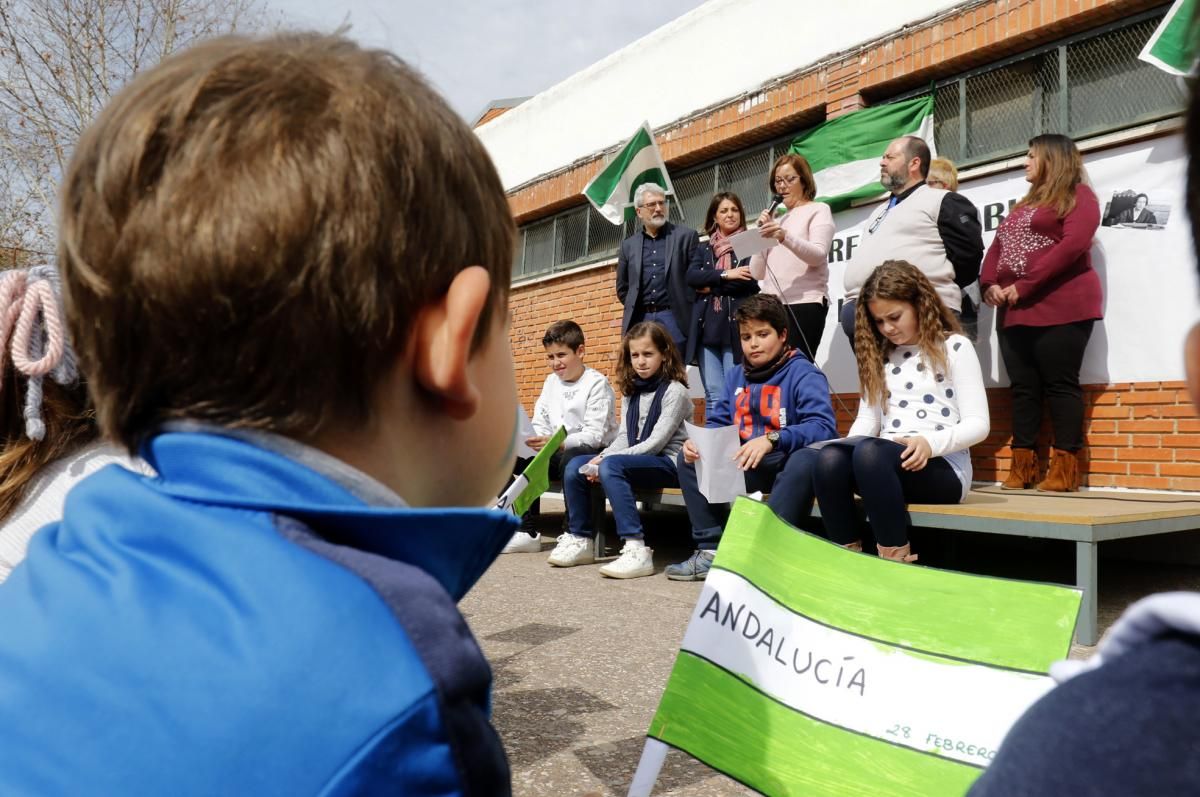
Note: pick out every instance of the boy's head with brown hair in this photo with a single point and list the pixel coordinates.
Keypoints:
(292, 234)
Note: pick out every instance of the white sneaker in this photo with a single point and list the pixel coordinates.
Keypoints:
(572, 550)
(523, 543)
(634, 562)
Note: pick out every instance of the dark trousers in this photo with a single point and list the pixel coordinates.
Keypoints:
(667, 319)
(788, 478)
(557, 460)
(872, 469)
(620, 475)
(806, 325)
(1043, 366)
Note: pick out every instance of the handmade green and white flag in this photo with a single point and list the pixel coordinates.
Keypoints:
(1171, 47)
(811, 670)
(638, 162)
(534, 480)
(844, 153)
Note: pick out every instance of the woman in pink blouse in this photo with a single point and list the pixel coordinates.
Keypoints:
(1038, 274)
(797, 271)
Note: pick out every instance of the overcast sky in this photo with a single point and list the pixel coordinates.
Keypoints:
(478, 51)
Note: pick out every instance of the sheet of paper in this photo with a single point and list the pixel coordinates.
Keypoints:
(695, 383)
(750, 242)
(720, 478)
(524, 432)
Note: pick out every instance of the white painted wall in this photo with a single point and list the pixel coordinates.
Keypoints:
(711, 54)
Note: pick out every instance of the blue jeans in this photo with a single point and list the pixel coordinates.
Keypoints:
(715, 362)
(620, 474)
(787, 477)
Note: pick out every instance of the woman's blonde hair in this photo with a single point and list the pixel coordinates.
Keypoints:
(1060, 169)
(899, 281)
(944, 171)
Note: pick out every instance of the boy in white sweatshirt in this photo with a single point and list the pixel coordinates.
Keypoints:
(576, 397)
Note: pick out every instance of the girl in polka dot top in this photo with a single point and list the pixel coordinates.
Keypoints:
(923, 405)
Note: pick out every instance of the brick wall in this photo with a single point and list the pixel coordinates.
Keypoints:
(1143, 435)
(589, 298)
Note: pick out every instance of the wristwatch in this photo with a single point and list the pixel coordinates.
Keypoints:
(773, 439)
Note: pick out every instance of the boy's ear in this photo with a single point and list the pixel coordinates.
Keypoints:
(442, 335)
(1191, 363)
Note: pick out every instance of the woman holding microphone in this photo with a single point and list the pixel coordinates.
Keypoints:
(797, 271)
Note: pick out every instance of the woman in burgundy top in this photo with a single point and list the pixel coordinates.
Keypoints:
(1038, 274)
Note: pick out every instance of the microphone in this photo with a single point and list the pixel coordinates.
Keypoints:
(776, 200)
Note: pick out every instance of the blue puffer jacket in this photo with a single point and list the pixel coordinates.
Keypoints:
(794, 401)
(242, 624)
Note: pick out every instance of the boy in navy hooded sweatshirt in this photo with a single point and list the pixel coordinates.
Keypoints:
(286, 266)
(779, 402)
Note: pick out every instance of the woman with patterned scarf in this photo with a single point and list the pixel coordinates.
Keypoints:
(720, 283)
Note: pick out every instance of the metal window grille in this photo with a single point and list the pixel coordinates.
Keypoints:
(1081, 86)
(746, 176)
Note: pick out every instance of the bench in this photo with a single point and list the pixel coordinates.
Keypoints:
(1086, 518)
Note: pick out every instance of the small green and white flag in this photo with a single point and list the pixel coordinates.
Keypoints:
(639, 161)
(534, 480)
(821, 672)
(844, 153)
(1171, 47)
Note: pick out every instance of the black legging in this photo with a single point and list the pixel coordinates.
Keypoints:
(872, 469)
(1043, 365)
(806, 325)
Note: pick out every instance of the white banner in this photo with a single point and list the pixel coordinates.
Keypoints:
(911, 698)
(1142, 253)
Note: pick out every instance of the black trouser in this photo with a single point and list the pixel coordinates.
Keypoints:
(872, 469)
(806, 325)
(787, 477)
(1043, 365)
(557, 460)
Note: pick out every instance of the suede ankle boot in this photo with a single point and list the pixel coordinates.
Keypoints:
(897, 553)
(1024, 470)
(1064, 473)
(854, 546)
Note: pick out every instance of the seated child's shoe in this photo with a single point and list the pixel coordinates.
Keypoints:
(523, 542)
(572, 550)
(695, 568)
(636, 561)
(897, 553)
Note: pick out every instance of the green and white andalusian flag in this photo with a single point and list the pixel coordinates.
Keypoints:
(1171, 47)
(534, 480)
(639, 161)
(811, 670)
(844, 153)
